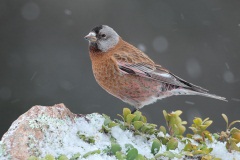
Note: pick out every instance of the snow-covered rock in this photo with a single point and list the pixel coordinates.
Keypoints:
(55, 130)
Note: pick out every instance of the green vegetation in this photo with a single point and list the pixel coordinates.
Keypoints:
(231, 135)
(195, 144)
(85, 138)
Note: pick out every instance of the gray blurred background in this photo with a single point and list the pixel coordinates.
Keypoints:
(44, 58)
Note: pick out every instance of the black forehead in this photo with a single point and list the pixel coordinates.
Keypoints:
(97, 29)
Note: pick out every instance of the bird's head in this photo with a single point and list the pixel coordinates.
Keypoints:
(102, 38)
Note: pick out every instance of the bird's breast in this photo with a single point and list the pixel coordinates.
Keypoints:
(106, 74)
(109, 77)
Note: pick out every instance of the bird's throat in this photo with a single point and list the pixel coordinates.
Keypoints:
(93, 47)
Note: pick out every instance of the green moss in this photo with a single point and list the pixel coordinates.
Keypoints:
(91, 153)
(83, 137)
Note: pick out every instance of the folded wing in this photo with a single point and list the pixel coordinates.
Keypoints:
(157, 73)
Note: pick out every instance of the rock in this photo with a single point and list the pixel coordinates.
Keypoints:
(17, 141)
(54, 132)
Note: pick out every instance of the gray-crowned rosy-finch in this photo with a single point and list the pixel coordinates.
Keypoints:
(130, 75)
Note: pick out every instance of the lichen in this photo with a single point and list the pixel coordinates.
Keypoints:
(97, 136)
(3, 152)
(43, 121)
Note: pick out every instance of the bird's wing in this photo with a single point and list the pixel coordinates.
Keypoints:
(156, 72)
(138, 63)
(182, 81)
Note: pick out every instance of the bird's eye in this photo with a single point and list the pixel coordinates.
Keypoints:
(103, 35)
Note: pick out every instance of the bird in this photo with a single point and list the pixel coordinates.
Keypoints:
(127, 73)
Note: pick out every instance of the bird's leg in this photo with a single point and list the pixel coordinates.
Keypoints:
(133, 110)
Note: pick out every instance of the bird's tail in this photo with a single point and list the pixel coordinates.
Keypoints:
(184, 91)
(212, 96)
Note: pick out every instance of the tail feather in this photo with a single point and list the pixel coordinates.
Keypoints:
(190, 85)
(212, 96)
(185, 91)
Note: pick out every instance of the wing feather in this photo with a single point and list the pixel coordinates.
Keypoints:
(157, 73)
(138, 63)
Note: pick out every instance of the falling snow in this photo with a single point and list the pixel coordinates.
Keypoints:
(33, 76)
(189, 102)
(227, 66)
(30, 11)
(66, 85)
(193, 68)
(228, 76)
(235, 99)
(68, 12)
(142, 47)
(160, 44)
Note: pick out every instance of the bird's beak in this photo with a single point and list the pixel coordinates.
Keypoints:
(91, 37)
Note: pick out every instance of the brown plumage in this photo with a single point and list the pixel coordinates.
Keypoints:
(130, 75)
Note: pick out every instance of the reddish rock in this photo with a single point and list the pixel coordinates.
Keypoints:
(17, 140)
